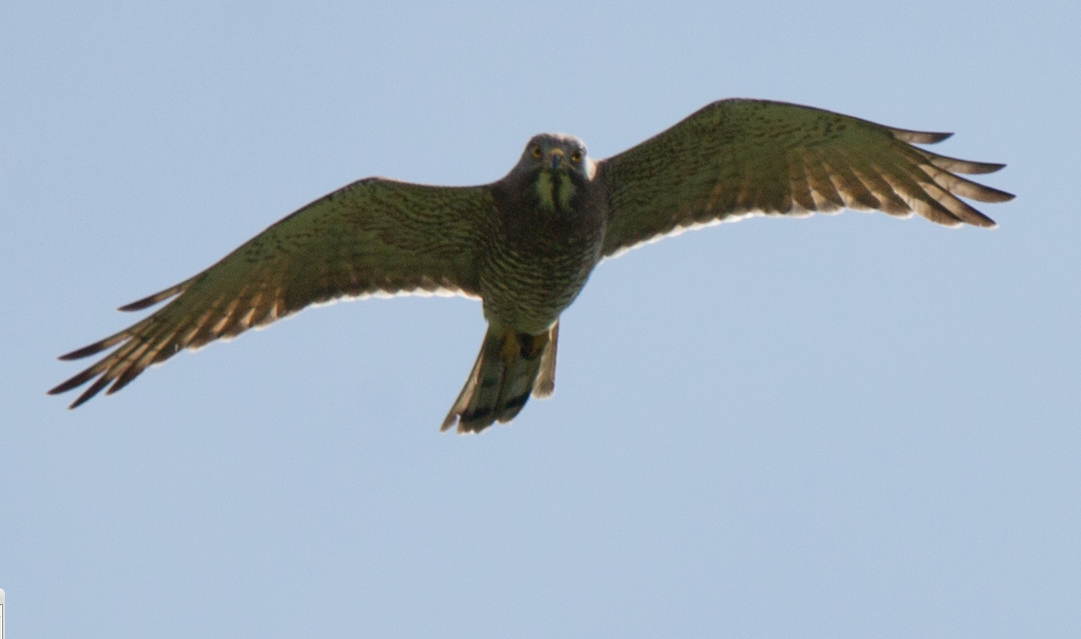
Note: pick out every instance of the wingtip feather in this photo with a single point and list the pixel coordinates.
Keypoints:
(919, 137)
(89, 393)
(156, 298)
(995, 195)
(94, 348)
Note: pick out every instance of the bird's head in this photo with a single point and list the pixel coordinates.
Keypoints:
(558, 169)
(557, 153)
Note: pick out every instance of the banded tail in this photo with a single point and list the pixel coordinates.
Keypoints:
(510, 367)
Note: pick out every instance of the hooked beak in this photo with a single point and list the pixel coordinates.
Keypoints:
(555, 159)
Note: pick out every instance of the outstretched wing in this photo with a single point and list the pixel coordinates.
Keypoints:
(739, 157)
(373, 236)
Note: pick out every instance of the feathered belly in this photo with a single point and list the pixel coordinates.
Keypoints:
(528, 289)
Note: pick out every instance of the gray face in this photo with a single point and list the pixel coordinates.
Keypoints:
(557, 153)
(558, 169)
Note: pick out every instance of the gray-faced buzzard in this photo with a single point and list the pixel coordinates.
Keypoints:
(526, 244)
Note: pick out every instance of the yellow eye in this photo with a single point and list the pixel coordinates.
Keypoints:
(536, 151)
(576, 157)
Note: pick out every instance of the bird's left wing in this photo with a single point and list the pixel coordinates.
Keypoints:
(373, 236)
(740, 157)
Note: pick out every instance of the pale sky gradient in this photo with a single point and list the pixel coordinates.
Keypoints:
(845, 426)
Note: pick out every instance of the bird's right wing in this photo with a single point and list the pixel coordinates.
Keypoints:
(373, 236)
(740, 157)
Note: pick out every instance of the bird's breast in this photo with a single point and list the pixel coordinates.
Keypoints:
(542, 253)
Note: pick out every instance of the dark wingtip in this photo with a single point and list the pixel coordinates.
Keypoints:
(918, 137)
(94, 348)
(89, 393)
(76, 381)
(85, 351)
(151, 300)
(79, 402)
(957, 165)
(990, 167)
(139, 305)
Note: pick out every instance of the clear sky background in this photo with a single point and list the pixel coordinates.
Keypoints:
(845, 426)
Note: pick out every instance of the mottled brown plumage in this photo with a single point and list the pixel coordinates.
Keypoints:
(526, 244)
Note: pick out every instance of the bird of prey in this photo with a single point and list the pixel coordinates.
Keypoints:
(526, 244)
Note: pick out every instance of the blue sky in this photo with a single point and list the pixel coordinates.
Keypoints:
(844, 426)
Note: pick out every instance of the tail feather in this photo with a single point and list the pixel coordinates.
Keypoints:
(546, 382)
(510, 367)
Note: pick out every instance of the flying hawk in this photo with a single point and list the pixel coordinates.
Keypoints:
(526, 244)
